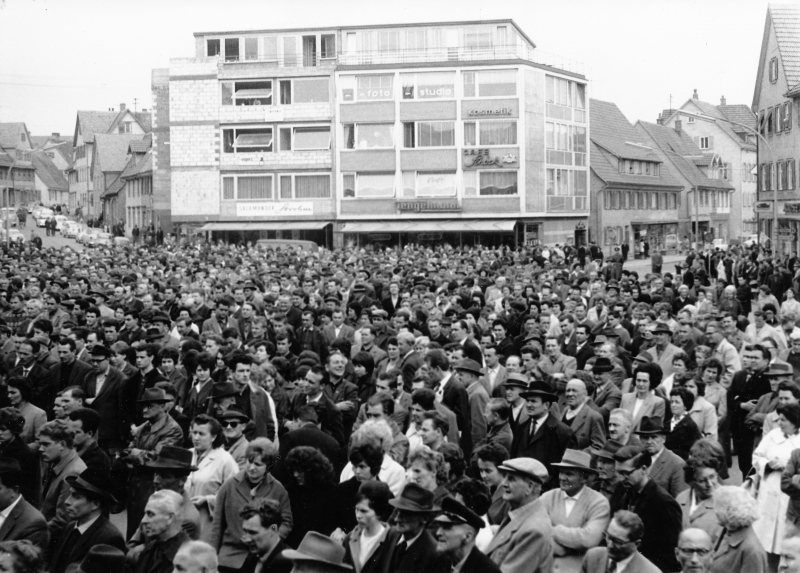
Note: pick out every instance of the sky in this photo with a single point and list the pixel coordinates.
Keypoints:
(61, 56)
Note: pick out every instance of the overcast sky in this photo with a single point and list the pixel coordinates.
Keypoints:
(59, 56)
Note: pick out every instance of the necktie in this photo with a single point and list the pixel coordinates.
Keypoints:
(611, 567)
(402, 547)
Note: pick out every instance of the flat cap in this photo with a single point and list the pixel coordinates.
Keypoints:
(528, 467)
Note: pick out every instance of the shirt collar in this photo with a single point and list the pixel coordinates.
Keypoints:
(575, 497)
(82, 528)
(622, 565)
(7, 511)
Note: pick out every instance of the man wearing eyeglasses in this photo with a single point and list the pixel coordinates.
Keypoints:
(620, 555)
(695, 551)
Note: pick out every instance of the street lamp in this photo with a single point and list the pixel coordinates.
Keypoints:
(772, 154)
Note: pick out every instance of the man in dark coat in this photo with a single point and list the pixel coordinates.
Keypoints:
(457, 529)
(89, 494)
(86, 422)
(23, 521)
(413, 509)
(104, 393)
(305, 430)
(162, 525)
(69, 371)
(543, 437)
(311, 390)
(41, 380)
(453, 395)
(147, 377)
(261, 519)
(747, 386)
(658, 510)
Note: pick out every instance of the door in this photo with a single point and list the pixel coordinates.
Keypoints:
(309, 51)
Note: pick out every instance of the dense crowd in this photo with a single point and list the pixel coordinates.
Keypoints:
(410, 410)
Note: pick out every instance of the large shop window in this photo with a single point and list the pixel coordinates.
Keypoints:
(368, 185)
(369, 136)
(498, 183)
(307, 90)
(247, 140)
(490, 83)
(367, 88)
(305, 186)
(247, 93)
(490, 133)
(247, 188)
(429, 134)
(430, 85)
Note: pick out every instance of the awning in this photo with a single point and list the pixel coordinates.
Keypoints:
(265, 226)
(254, 92)
(254, 139)
(464, 226)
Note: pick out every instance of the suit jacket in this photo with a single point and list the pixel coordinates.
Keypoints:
(80, 371)
(583, 354)
(381, 558)
(566, 365)
(662, 520)
(576, 533)
(333, 426)
(391, 307)
(346, 332)
(476, 562)
(652, 406)
(26, 522)
(44, 391)
(588, 427)
(275, 562)
(56, 491)
(418, 558)
(665, 360)
(740, 391)
(456, 398)
(343, 392)
(547, 445)
(524, 544)
(213, 326)
(683, 436)
(606, 399)
(198, 402)
(703, 517)
(596, 561)
(102, 531)
(478, 393)
(408, 365)
(667, 471)
(114, 418)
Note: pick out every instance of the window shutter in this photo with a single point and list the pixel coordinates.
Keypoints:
(791, 173)
(788, 121)
(711, 142)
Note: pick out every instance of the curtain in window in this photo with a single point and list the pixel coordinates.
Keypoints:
(312, 186)
(498, 183)
(498, 133)
(255, 187)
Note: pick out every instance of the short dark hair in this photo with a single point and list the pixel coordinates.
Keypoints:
(89, 419)
(23, 385)
(439, 422)
(685, 395)
(491, 452)
(385, 400)
(213, 425)
(630, 521)
(150, 349)
(369, 453)
(268, 510)
(64, 341)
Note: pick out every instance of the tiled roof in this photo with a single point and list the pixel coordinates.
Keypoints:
(143, 119)
(50, 175)
(5, 159)
(604, 167)
(141, 146)
(9, 134)
(111, 150)
(681, 151)
(612, 131)
(140, 167)
(115, 187)
(715, 112)
(92, 122)
(786, 23)
(740, 114)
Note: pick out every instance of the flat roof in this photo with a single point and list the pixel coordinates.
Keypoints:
(375, 26)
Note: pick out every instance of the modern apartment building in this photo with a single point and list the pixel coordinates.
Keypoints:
(458, 132)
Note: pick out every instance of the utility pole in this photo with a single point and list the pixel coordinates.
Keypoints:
(134, 104)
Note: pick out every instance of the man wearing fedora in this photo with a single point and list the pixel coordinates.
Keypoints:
(317, 553)
(478, 392)
(456, 533)
(623, 538)
(658, 510)
(145, 378)
(22, 520)
(584, 421)
(666, 467)
(607, 395)
(607, 479)
(543, 437)
(579, 515)
(664, 351)
(159, 430)
(416, 549)
(161, 524)
(513, 387)
(102, 559)
(524, 542)
(89, 494)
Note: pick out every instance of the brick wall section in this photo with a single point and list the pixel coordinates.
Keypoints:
(194, 146)
(297, 112)
(195, 192)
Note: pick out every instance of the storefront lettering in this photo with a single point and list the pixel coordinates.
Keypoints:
(374, 93)
(274, 209)
(422, 206)
(792, 208)
(498, 111)
(481, 158)
(435, 92)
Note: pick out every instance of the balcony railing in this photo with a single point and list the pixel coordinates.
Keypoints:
(566, 204)
(285, 61)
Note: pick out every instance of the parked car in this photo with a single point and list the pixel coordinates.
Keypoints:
(88, 236)
(14, 235)
(70, 228)
(104, 240)
(720, 244)
(42, 216)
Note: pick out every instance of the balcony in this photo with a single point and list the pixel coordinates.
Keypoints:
(566, 204)
(284, 61)
(459, 54)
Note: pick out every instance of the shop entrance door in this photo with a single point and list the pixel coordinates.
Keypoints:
(580, 238)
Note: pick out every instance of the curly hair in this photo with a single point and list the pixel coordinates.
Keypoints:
(377, 432)
(454, 456)
(370, 454)
(705, 453)
(27, 557)
(58, 431)
(309, 461)
(734, 507)
(12, 419)
(476, 495)
(432, 461)
(263, 449)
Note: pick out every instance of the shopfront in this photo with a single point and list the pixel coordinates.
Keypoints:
(658, 236)
(460, 233)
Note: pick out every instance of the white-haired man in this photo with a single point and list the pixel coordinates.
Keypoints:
(163, 517)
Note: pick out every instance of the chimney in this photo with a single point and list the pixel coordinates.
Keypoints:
(694, 95)
(660, 120)
(723, 101)
(144, 110)
(678, 125)
(56, 135)
(122, 105)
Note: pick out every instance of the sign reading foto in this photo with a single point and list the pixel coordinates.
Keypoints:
(274, 209)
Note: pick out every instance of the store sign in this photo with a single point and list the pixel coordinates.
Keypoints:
(274, 209)
(490, 158)
(500, 111)
(421, 206)
(580, 226)
(791, 208)
(477, 109)
(763, 207)
(373, 93)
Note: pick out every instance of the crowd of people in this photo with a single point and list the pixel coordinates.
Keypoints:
(397, 410)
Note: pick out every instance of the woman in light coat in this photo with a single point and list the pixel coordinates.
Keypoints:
(706, 458)
(769, 460)
(739, 548)
(214, 467)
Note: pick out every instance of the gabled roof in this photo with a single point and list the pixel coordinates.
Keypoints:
(48, 141)
(740, 114)
(141, 146)
(9, 134)
(50, 175)
(92, 122)
(143, 119)
(138, 167)
(111, 151)
(681, 151)
(715, 112)
(5, 159)
(612, 131)
(603, 165)
(784, 19)
(115, 187)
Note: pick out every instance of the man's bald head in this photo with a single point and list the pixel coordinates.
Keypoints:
(195, 557)
(694, 551)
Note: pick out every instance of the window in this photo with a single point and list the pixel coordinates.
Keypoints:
(790, 174)
(231, 49)
(498, 183)
(490, 83)
(306, 90)
(251, 48)
(305, 186)
(369, 136)
(124, 127)
(368, 185)
(432, 85)
(429, 134)
(247, 93)
(270, 48)
(307, 138)
(415, 40)
(704, 143)
(490, 133)
(773, 70)
(388, 40)
(690, 119)
(367, 88)
(769, 121)
(476, 37)
(558, 91)
(653, 198)
(247, 188)
(673, 201)
(787, 116)
(328, 46)
(436, 184)
(212, 48)
(247, 140)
